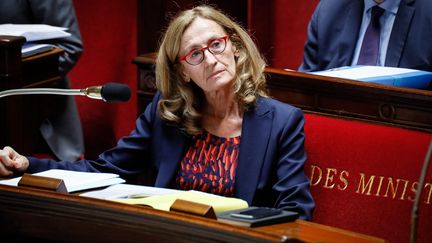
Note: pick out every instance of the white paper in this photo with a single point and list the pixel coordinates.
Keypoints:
(74, 180)
(30, 48)
(34, 32)
(362, 72)
(127, 190)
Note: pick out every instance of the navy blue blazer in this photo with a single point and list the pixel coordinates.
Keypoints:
(333, 33)
(270, 170)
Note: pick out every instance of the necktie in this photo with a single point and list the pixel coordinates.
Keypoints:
(370, 45)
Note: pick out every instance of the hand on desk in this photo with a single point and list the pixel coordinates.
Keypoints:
(11, 161)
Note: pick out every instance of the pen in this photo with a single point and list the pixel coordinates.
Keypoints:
(139, 195)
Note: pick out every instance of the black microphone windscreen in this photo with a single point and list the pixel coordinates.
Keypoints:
(115, 92)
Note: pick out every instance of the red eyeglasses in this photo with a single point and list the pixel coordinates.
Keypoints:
(214, 46)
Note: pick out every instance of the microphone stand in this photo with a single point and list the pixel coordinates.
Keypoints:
(91, 92)
(414, 212)
(110, 92)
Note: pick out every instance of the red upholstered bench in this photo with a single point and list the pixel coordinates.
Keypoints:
(364, 176)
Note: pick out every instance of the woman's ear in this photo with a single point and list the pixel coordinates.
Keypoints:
(183, 74)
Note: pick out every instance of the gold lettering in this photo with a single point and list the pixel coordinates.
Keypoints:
(391, 187)
(379, 186)
(394, 188)
(362, 187)
(428, 193)
(402, 197)
(313, 175)
(413, 190)
(344, 180)
(329, 178)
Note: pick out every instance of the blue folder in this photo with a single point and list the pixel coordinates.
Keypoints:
(400, 77)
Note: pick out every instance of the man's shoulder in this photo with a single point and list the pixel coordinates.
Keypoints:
(337, 2)
(336, 5)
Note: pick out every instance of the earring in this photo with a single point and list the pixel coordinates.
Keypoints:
(237, 53)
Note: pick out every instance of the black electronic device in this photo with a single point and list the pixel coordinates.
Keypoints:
(256, 216)
(256, 213)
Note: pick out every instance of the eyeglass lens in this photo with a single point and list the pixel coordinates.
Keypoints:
(216, 46)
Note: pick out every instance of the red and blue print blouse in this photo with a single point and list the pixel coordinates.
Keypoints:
(210, 165)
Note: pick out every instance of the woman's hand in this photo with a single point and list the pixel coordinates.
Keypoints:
(11, 161)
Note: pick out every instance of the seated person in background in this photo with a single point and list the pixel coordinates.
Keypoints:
(61, 134)
(338, 34)
(211, 127)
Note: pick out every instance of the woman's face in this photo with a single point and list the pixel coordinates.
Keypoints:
(216, 72)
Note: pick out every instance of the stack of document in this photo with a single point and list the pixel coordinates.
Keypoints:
(162, 198)
(400, 77)
(128, 191)
(74, 180)
(34, 32)
(29, 49)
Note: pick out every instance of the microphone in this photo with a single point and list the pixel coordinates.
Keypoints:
(110, 92)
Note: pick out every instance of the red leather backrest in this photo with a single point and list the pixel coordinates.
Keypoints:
(364, 176)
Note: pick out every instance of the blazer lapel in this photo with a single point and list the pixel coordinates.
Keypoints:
(172, 151)
(256, 131)
(399, 33)
(348, 39)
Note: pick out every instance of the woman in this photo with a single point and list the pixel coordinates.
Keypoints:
(211, 127)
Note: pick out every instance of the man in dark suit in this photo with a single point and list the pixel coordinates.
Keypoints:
(337, 28)
(62, 132)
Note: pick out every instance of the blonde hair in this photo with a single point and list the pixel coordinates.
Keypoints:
(181, 101)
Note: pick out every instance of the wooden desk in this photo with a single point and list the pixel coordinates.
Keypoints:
(376, 103)
(342, 98)
(22, 115)
(30, 214)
